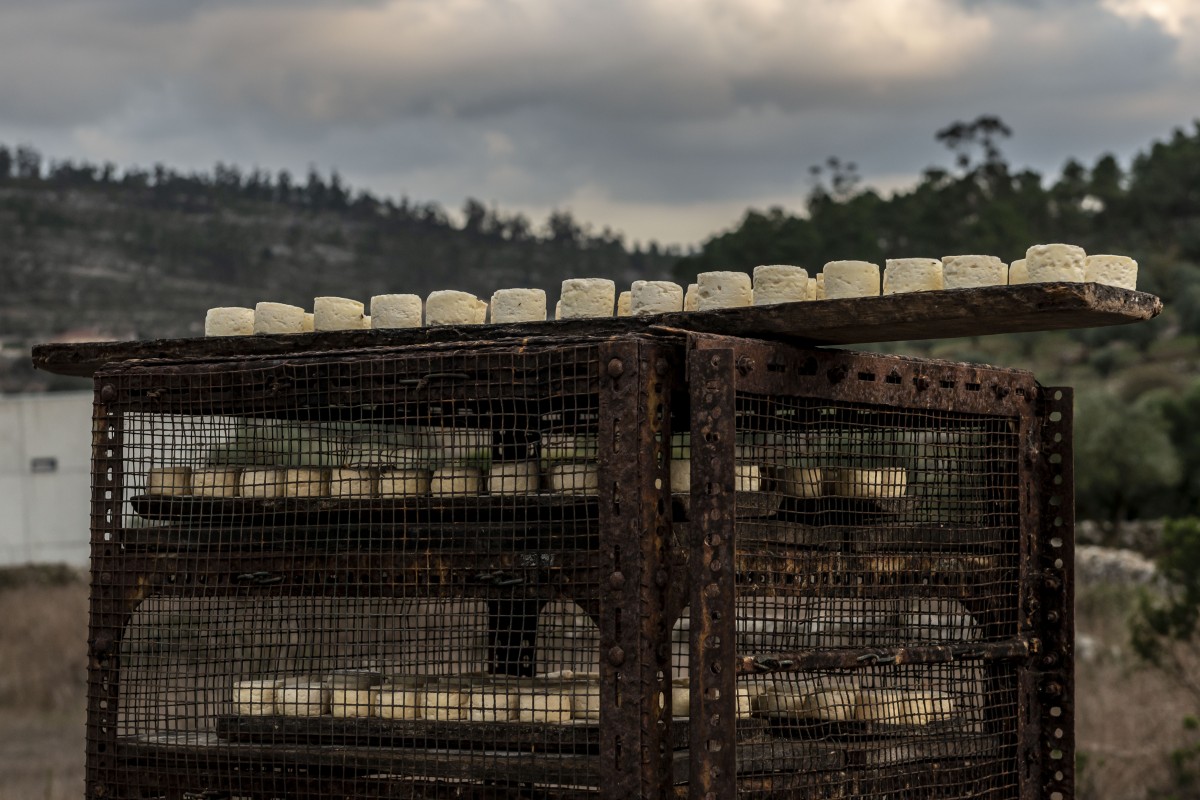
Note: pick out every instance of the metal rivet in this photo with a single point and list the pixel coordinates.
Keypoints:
(108, 392)
(616, 656)
(745, 364)
(661, 578)
(616, 580)
(922, 382)
(616, 368)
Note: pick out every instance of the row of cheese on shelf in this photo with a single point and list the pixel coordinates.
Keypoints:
(562, 700)
(502, 478)
(586, 298)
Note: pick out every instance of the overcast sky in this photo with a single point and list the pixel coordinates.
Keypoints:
(661, 118)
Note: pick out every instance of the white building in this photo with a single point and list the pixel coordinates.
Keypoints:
(45, 478)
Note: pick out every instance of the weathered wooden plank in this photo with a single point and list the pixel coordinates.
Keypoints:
(928, 315)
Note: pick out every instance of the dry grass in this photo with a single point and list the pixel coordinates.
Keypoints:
(1128, 717)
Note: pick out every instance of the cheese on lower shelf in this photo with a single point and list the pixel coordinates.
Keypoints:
(585, 701)
(573, 478)
(850, 279)
(1112, 270)
(404, 482)
(518, 305)
(350, 482)
(1018, 272)
(441, 704)
(390, 311)
(780, 283)
(624, 303)
(306, 482)
(451, 307)
(875, 484)
(1056, 262)
(339, 314)
(544, 706)
(278, 318)
(681, 475)
(301, 698)
(392, 702)
(310, 322)
(805, 482)
(456, 481)
(229, 321)
(169, 481)
(747, 477)
(968, 272)
(681, 698)
(819, 286)
(492, 704)
(902, 275)
(655, 297)
(514, 477)
(215, 481)
(830, 705)
(351, 702)
(555, 447)
(588, 298)
(723, 290)
(903, 706)
(691, 297)
(255, 698)
(262, 482)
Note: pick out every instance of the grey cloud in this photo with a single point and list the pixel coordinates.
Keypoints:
(527, 102)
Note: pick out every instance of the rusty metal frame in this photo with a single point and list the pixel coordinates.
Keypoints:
(635, 667)
(1046, 694)
(712, 547)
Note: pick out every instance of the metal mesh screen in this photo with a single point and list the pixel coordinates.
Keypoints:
(871, 537)
(372, 571)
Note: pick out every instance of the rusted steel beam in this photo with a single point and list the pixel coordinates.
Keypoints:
(862, 658)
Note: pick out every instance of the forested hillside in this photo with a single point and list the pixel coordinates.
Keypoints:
(92, 250)
(1138, 401)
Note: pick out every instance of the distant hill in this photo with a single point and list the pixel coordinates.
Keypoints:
(91, 252)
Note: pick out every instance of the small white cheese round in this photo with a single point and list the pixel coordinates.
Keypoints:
(278, 318)
(306, 482)
(544, 707)
(450, 307)
(655, 297)
(1018, 272)
(1056, 262)
(780, 283)
(351, 702)
(819, 287)
(339, 314)
(901, 275)
(691, 297)
(169, 481)
(514, 477)
(215, 481)
(348, 482)
(624, 301)
(586, 298)
(518, 305)
(1112, 270)
(723, 290)
(262, 482)
(229, 321)
(805, 482)
(456, 481)
(301, 698)
(396, 311)
(968, 272)
(851, 279)
(404, 482)
(573, 478)
(255, 698)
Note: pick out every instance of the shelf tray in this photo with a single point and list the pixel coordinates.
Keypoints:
(901, 317)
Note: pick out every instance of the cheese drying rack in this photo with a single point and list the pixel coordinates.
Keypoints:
(957, 593)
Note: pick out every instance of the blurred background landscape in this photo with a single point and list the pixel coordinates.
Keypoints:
(167, 158)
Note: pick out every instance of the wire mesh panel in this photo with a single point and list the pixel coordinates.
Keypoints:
(861, 562)
(378, 576)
